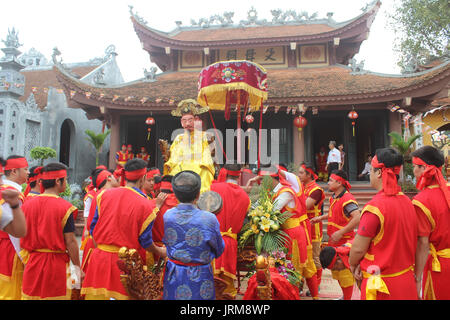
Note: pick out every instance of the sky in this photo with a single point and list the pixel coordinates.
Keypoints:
(83, 29)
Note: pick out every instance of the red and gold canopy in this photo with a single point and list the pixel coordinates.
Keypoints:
(238, 82)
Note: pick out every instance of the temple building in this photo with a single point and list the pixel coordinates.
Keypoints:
(311, 71)
(34, 110)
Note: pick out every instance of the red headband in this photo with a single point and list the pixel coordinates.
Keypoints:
(16, 163)
(151, 173)
(166, 185)
(333, 261)
(431, 173)
(52, 175)
(102, 176)
(344, 182)
(388, 175)
(223, 173)
(37, 171)
(136, 174)
(313, 175)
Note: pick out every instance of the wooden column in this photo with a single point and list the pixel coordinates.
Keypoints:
(114, 144)
(395, 123)
(298, 145)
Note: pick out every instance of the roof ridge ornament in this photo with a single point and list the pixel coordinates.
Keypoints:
(223, 20)
(136, 16)
(357, 67)
(12, 39)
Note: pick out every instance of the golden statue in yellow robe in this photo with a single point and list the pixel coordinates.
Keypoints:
(190, 150)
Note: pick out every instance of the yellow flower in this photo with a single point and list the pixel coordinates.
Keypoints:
(267, 215)
(265, 224)
(255, 228)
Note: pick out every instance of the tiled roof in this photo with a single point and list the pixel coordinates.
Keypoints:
(243, 33)
(46, 79)
(329, 84)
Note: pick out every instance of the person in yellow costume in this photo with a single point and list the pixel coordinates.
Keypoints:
(190, 150)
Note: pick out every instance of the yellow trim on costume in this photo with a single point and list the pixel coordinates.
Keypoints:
(293, 222)
(380, 216)
(140, 194)
(346, 203)
(369, 256)
(99, 198)
(444, 253)
(2, 201)
(426, 211)
(108, 248)
(149, 220)
(375, 282)
(428, 291)
(229, 233)
(104, 292)
(6, 278)
(344, 277)
(66, 216)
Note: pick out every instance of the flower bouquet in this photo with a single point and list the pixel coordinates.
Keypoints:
(263, 223)
(286, 268)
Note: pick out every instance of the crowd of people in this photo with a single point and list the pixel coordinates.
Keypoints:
(392, 248)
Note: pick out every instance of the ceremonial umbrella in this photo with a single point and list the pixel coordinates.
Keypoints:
(237, 82)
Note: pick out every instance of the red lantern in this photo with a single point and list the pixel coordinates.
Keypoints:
(149, 121)
(249, 118)
(353, 115)
(300, 122)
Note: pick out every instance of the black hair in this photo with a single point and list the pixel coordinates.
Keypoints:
(340, 173)
(54, 166)
(135, 164)
(389, 156)
(2, 161)
(157, 179)
(186, 186)
(14, 156)
(430, 155)
(31, 175)
(326, 256)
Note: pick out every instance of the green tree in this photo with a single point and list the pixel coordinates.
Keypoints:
(422, 29)
(404, 147)
(42, 153)
(97, 141)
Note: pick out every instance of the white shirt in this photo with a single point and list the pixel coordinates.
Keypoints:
(367, 168)
(15, 241)
(6, 215)
(334, 156)
(87, 207)
(10, 183)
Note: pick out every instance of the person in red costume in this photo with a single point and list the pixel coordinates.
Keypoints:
(101, 180)
(432, 206)
(33, 183)
(124, 218)
(130, 152)
(50, 243)
(149, 187)
(158, 226)
(298, 226)
(383, 251)
(11, 266)
(315, 197)
(343, 218)
(235, 204)
(121, 157)
(143, 154)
